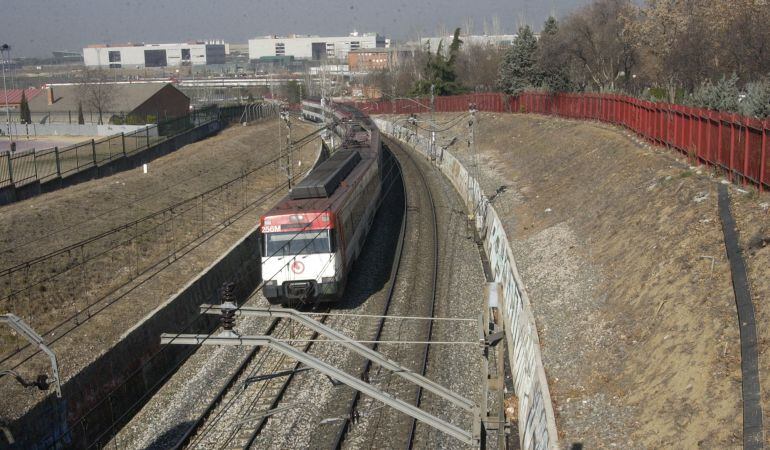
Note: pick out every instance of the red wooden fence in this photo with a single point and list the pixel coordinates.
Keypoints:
(737, 144)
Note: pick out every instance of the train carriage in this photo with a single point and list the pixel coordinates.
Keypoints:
(311, 238)
(312, 110)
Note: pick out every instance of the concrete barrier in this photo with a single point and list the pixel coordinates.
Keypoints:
(537, 422)
(73, 129)
(104, 395)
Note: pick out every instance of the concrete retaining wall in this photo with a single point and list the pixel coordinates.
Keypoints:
(105, 395)
(537, 423)
(74, 129)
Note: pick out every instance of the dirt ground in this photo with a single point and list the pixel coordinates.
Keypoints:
(621, 250)
(130, 265)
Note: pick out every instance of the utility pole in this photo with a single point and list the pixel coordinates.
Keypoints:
(289, 148)
(432, 152)
(472, 109)
(5, 50)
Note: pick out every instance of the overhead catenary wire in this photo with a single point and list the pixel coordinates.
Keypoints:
(56, 329)
(389, 317)
(126, 225)
(336, 341)
(135, 221)
(384, 193)
(387, 190)
(134, 203)
(88, 307)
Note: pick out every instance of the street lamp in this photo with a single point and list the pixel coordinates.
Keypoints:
(5, 51)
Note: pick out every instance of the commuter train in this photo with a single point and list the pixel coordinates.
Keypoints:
(311, 238)
(312, 111)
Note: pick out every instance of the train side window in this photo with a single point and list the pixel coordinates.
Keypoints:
(333, 241)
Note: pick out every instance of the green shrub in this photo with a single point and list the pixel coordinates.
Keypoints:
(720, 96)
(756, 103)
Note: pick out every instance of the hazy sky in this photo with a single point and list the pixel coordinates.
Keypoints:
(36, 27)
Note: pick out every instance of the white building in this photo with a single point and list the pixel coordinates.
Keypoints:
(499, 40)
(154, 55)
(313, 47)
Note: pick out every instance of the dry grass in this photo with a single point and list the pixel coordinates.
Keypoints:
(622, 251)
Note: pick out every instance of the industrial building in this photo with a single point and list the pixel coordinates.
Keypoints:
(62, 56)
(371, 60)
(197, 53)
(313, 47)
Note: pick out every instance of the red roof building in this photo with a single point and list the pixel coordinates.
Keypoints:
(14, 96)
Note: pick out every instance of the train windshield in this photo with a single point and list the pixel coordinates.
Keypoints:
(297, 243)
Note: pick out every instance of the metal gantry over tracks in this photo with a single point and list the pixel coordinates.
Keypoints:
(488, 337)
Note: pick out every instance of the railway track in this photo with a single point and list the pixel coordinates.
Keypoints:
(429, 334)
(246, 414)
(239, 411)
(417, 208)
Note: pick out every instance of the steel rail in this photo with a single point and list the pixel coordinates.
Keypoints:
(426, 349)
(354, 403)
(220, 395)
(257, 429)
(350, 410)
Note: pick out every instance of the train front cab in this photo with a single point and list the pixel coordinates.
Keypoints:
(301, 258)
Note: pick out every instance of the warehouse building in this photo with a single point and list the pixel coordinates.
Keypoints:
(12, 97)
(135, 103)
(154, 55)
(313, 47)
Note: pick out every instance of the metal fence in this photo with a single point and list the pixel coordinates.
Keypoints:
(25, 167)
(734, 143)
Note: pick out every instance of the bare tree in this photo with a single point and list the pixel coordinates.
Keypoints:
(398, 80)
(600, 43)
(497, 29)
(477, 66)
(96, 93)
(746, 39)
(684, 43)
(468, 26)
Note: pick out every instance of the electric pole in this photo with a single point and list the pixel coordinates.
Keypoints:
(289, 168)
(5, 51)
(432, 151)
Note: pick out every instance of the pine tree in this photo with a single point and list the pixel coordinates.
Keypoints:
(81, 120)
(439, 71)
(551, 59)
(519, 69)
(24, 112)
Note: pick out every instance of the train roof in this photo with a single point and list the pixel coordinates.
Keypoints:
(327, 186)
(323, 180)
(336, 198)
